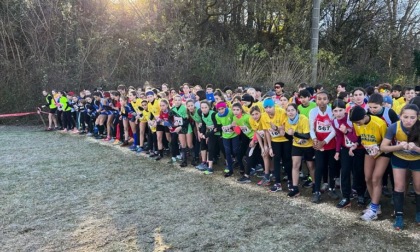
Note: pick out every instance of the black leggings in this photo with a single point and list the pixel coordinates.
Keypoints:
(282, 152)
(324, 160)
(67, 120)
(253, 160)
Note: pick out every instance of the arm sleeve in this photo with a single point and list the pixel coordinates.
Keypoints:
(330, 136)
(312, 115)
(305, 136)
(390, 132)
(393, 116)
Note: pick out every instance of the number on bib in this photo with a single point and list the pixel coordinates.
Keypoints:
(347, 142)
(372, 150)
(274, 133)
(245, 129)
(178, 120)
(323, 127)
(227, 129)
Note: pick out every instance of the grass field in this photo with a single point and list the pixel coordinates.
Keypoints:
(68, 193)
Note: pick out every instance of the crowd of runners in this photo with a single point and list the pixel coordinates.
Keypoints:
(361, 140)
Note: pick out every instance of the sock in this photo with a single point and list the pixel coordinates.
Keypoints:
(267, 176)
(192, 153)
(417, 203)
(374, 207)
(136, 140)
(184, 154)
(398, 203)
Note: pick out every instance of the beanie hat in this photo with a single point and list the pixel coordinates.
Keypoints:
(357, 113)
(71, 93)
(221, 105)
(248, 98)
(388, 99)
(150, 93)
(268, 103)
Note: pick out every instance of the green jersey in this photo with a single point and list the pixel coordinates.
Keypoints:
(226, 122)
(244, 124)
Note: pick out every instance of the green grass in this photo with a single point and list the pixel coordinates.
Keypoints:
(62, 192)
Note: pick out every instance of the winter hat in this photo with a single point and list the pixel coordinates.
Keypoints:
(268, 103)
(221, 105)
(357, 113)
(388, 99)
(248, 98)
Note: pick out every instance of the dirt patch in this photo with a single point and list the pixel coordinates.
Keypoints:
(62, 192)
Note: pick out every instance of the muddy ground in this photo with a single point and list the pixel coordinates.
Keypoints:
(61, 192)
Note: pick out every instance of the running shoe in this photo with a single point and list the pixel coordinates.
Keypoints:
(179, 157)
(89, 134)
(369, 215)
(49, 129)
(308, 183)
(184, 164)
(378, 212)
(324, 187)
(201, 167)
(106, 139)
(172, 161)
(252, 172)
(112, 140)
(209, 171)
(260, 174)
(229, 174)
(125, 143)
(399, 223)
(117, 142)
(294, 192)
(333, 194)
(259, 167)
(344, 203)
(276, 188)
(316, 197)
(139, 149)
(153, 154)
(226, 170)
(133, 148)
(158, 157)
(264, 182)
(244, 180)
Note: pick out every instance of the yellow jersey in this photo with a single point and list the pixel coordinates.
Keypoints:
(372, 134)
(278, 120)
(302, 127)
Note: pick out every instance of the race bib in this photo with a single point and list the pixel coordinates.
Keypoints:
(273, 133)
(151, 123)
(210, 128)
(372, 150)
(227, 129)
(347, 142)
(323, 127)
(178, 120)
(261, 133)
(245, 129)
(301, 141)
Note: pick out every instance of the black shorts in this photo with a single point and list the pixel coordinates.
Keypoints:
(308, 153)
(53, 110)
(162, 128)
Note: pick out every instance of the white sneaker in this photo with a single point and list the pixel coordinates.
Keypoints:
(379, 211)
(369, 215)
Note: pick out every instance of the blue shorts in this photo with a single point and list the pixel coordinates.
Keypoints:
(398, 163)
